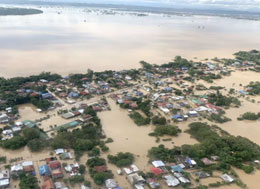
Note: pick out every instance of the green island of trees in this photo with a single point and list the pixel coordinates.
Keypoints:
(4, 11)
(232, 151)
(166, 130)
(121, 159)
(139, 119)
(249, 116)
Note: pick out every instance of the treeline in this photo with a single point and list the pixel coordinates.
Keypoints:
(231, 150)
(18, 11)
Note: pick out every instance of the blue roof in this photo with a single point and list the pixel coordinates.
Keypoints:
(243, 92)
(168, 88)
(177, 116)
(188, 160)
(177, 168)
(44, 170)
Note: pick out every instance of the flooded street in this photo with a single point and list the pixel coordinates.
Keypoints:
(76, 40)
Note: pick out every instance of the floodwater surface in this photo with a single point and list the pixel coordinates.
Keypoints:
(69, 40)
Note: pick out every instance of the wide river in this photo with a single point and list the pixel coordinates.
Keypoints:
(70, 40)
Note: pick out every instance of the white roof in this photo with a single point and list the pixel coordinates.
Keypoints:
(193, 162)
(134, 168)
(119, 171)
(171, 180)
(166, 110)
(18, 123)
(59, 151)
(4, 174)
(202, 109)
(4, 182)
(139, 186)
(16, 168)
(158, 163)
(27, 163)
(110, 183)
(193, 112)
(184, 180)
(227, 178)
(181, 165)
(15, 129)
(128, 171)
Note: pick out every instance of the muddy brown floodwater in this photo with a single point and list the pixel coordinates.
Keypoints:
(75, 40)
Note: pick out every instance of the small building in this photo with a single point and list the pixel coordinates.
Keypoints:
(158, 163)
(171, 180)
(44, 170)
(29, 123)
(177, 169)
(111, 184)
(48, 184)
(156, 171)
(57, 173)
(153, 183)
(135, 179)
(54, 165)
(227, 178)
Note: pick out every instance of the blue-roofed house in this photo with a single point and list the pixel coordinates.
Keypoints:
(168, 89)
(177, 168)
(73, 95)
(44, 170)
(47, 95)
(177, 116)
(243, 92)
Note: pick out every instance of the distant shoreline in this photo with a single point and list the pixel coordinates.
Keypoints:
(18, 11)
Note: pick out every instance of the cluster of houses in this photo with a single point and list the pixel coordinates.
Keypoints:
(7, 116)
(16, 128)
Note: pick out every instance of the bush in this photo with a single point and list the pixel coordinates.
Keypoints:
(121, 159)
(249, 116)
(166, 130)
(159, 120)
(139, 119)
(76, 179)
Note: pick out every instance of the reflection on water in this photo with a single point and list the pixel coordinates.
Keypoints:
(74, 40)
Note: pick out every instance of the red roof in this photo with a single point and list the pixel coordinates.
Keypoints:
(101, 168)
(156, 171)
(28, 169)
(54, 164)
(48, 184)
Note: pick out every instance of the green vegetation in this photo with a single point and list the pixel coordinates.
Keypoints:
(28, 182)
(254, 88)
(14, 143)
(220, 100)
(163, 153)
(76, 179)
(166, 130)
(252, 55)
(156, 120)
(178, 62)
(10, 94)
(3, 159)
(249, 116)
(218, 118)
(210, 77)
(121, 159)
(232, 151)
(99, 177)
(139, 119)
